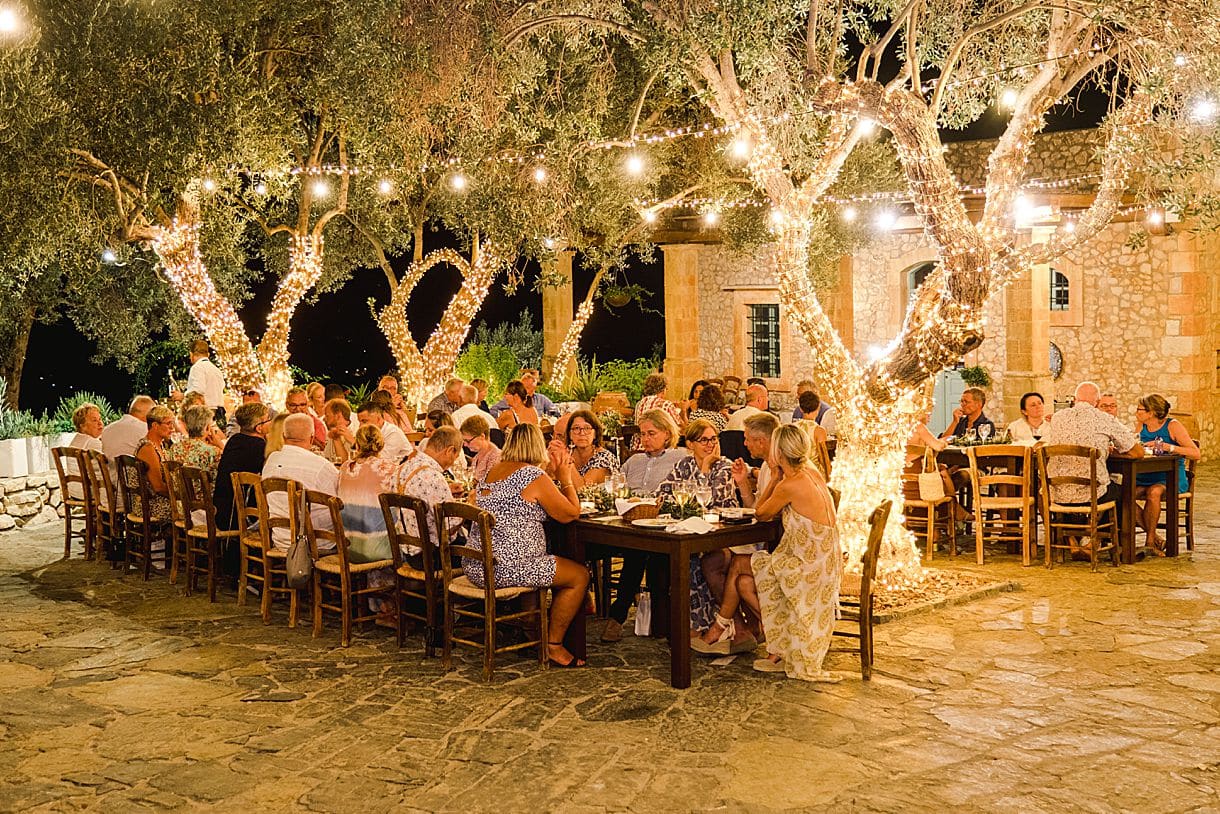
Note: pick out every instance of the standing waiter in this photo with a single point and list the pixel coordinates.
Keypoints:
(207, 379)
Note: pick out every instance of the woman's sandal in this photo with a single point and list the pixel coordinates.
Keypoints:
(768, 666)
(723, 645)
(575, 662)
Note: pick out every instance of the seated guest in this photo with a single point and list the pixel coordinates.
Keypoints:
(317, 398)
(87, 420)
(389, 383)
(424, 477)
(434, 420)
(450, 399)
(204, 442)
(705, 464)
(400, 418)
(480, 386)
(335, 391)
(297, 462)
(362, 480)
(152, 450)
(759, 430)
(802, 387)
(581, 437)
(470, 406)
(1033, 421)
(297, 403)
(810, 407)
(710, 407)
(244, 452)
(520, 407)
(644, 471)
(913, 463)
(1083, 424)
(529, 381)
(757, 401)
(520, 496)
(795, 589)
(654, 398)
(397, 447)
(191, 399)
(1156, 427)
(969, 414)
(692, 398)
(1108, 403)
(476, 437)
(340, 440)
(275, 434)
(122, 436)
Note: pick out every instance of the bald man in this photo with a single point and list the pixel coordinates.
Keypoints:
(757, 401)
(296, 462)
(1084, 424)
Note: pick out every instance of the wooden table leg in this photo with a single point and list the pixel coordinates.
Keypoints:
(679, 616)
(1171, 511)
(575, 639)
(1126, 519)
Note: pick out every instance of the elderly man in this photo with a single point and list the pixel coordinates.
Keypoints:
(121, 437)
(757, 401)
(424, 477)
(340, 440)
(396, 445)
(470, 406)
(969, 414)
(297, 462)
(1108, 403)
(1084, 424)
(207, 379)
(297, 403)
(544, 406)
(450, 399)
(759, 429)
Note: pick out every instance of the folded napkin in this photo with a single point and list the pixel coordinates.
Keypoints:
(691, 525)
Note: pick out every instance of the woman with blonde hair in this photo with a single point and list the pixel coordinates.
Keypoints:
(275, 435)
(362, 480)
(152, 450)
(795, 589)
(1171, 437)
(520, 496)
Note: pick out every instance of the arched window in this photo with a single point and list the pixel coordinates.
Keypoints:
(1060, 291)
(916, 274)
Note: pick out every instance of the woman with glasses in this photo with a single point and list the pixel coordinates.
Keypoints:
(476, 439)
(705, 463)
(583, 441)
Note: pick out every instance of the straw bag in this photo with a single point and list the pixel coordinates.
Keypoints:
(931, 485)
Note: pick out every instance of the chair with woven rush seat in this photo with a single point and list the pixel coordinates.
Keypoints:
(1001, 478)
(104, 503)
(72, 466)
(275, 560)
(396, 508)
(143, 527)
(177, 520)
(249, 538)
(335, 573)
(856, 592)
(924, 517)
(1076, 522)
(463, 600)
(202, 537)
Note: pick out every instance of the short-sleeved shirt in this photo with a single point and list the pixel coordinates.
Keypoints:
(1085, 425)
(312, 471)
(645, 472)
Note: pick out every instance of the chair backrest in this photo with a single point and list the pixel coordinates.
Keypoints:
(823, 458)
(999, 465)
(100, 481)
(246, 485)
(836, 496)
(71, 464)
(731, 386)
(267, 522)
(396, 508)
(1046, 456)
(876, 531)
(471, 516)
(335, 534)
(1188, 421)
(195, 486)
(718, 381)
(628, 432)
(497, 436)
(177, 512)
(134, 486)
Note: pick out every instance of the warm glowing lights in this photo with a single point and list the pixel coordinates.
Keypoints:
(1155, 217)
(649, 216)
(260, 188)
(549, 243)
(209, 185)
(849, 214)
(110, 257)
(885, 220)
(458, 182)
(739, 147)
(571, 341)
(866, 127)
(634, 165)
(1180, 61)
(10, 22)
(540, 175)
(711, 217)
(319, 188)
(385, 186)
(1009, 98)
(1203, 111)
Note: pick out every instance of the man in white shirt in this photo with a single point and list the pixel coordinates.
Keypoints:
(121, 437)
(470, 406)
(757, 400)
(759, 430)
(396, 445)
(296, 462)
(207, 379)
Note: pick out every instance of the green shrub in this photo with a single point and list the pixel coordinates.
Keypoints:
(624, 376)
(16, 424)
(495, 363)
(63, 413)
(358, 394)
(521, 340)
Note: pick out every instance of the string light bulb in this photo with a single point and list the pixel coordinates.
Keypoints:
(866, 127)
(1009, 98)
(849, 214)
(260, 188)
(885, 220)
(320, 188)
(1180, 61)
(209, 184)
(458, 182)
(711, 217)
(739, 147)
(1203, 111)
(109, 257)
(649, 216)
(540, 175)
(634, 164)
(1155, 217)
(385, 186)
(10, 23)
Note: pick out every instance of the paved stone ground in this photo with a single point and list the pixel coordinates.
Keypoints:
(1083, 692)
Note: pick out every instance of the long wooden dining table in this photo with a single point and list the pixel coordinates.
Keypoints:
(594, 537)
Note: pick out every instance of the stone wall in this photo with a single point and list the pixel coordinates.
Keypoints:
(1055, 156)
(30, 500)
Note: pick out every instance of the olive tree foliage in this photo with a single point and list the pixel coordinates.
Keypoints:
(797, 78)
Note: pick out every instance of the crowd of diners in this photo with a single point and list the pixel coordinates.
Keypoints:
(497, 457)
(1092, 420)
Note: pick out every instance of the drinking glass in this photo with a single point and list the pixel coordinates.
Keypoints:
(703, 494)
(984, 432)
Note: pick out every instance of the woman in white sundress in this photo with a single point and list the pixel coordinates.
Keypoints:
(795, 589)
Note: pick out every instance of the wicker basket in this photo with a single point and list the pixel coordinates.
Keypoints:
(643, 511)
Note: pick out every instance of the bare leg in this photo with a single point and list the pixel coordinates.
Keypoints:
(715, 565)
(1151, 514)
(571, 585)
(748, 591)
(729, 605)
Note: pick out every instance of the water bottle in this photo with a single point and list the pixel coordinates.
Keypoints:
(1158, 447)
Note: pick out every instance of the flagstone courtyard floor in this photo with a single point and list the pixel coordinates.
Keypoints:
(1081, 692)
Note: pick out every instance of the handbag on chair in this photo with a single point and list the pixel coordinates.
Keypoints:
(299, 563)
(931, 485)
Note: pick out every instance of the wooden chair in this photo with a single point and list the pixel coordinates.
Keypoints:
(107, 518)
(924, 517)
(463, 600)
(203, 538)
(415, 588)
(274, 560)
(72, 466)
(823, 458)
(249, 537)
(1186, 505)
(1065, 519)
(1002, 479)
(856, 592)
(142, 526)
(177, 520)
(731, 388)
(335, 576)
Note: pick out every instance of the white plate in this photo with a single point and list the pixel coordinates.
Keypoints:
(652, 522)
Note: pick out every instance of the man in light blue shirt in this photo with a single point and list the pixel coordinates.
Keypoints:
(542, 404)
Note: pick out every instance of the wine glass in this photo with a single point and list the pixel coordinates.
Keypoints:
(984, 432)
(703, 494)
(681, 493)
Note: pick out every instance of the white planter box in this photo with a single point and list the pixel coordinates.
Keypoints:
(39, 451)
(14, 459)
